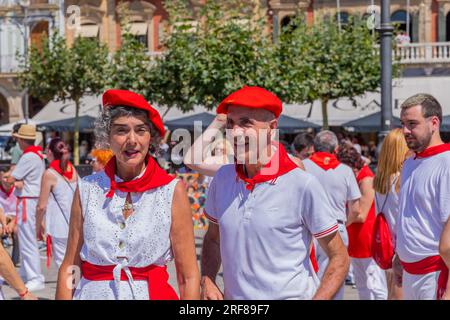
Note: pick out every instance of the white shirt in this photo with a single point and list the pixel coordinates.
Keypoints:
(339, 183)
(143, 238)
(424, 206)
(265, 235)
(30, 169)
(390, 209)
(8, 204)
(57, 215)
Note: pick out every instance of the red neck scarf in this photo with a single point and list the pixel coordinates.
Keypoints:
(35, 149)
(8, 193)
(431, 151)
(325, 160)
(67, 174)
(280, 158)
(153, 177)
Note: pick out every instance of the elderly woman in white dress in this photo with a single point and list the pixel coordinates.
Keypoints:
(131, 219)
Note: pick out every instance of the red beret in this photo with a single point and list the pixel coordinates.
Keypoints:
(127, 98)
(252, 97)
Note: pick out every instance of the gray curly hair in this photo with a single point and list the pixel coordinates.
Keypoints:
(102, 126)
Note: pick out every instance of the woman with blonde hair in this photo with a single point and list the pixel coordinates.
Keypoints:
(393, 153)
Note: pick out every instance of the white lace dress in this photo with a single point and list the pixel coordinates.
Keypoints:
(142, 239)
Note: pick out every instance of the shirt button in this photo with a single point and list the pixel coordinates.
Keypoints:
(122, 225)
(121, 245)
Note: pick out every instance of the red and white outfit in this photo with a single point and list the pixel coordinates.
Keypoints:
(29, 169)
(8, 201)
(424, 210)
(370, 279)
(58, 211)
(266, 227)
(340, 185)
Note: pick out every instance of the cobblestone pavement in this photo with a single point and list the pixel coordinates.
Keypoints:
(51, 276)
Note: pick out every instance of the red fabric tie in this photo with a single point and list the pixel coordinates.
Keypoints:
(431, 151)
(428, 265)
(280, 158)
(55, 165)
(8, 193)
(24, 209)
(312, 258)
(156, 277)
(49, 250)
(325, 160)
(36, 150)
(153, 177)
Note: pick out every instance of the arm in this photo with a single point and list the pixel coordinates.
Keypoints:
(3, 223)
(72, 257)
(8, 272)
(183, 246)
(353, 211)
(444, 251)
(211, 263)
(337, 267)
(366, 200)
(195, 157)
(48, 181)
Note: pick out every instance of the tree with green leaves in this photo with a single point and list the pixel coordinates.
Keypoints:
(59, 72)
(207, 60)
(321, 62)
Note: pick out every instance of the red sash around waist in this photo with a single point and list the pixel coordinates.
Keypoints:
(24, 207)
(428, 265)
(156, 276)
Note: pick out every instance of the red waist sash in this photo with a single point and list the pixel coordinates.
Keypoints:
(24, 207)
(156, 276)
(428, 265)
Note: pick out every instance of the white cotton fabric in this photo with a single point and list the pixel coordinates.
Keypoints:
(30, 169)
(144, 240)
(265, 235)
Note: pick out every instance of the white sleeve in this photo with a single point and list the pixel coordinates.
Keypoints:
(444, 196)
(210, 205)
(353, 191)
(316, 210)
(23, 167)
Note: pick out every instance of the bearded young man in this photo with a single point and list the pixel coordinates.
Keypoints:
(422, 229)
(264, 212)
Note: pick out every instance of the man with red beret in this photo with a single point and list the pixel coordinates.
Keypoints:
(264, 212)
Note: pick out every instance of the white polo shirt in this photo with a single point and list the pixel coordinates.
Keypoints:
(8, 203)
(424, 206)
(265, 235)
(30, 169)
(339, 183)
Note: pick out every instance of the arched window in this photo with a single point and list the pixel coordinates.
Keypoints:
(140, 31)
(398, 19)
(4, 110)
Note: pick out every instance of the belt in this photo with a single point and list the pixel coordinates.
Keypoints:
(24, 207)
(429, 265)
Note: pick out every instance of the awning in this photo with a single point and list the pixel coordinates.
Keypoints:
(292, 125)
(86, 124)
(139, 28)
(370, 123)
(88, 31)
(6, 129)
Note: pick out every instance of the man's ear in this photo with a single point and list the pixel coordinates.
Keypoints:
(435, 123)
(273, 124)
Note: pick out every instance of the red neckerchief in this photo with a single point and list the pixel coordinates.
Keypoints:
(35, 149)
(68, 173)
(285, 164)
(153, 177)
(325, 160)
(431, 151)
(8, 193)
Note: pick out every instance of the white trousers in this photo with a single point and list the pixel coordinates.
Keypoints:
(370, 279)
(30, 268)
(58, 250)
(420, 286)
(322, 259)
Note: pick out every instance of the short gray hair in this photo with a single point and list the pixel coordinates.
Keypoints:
(102, 126)
(325, 141)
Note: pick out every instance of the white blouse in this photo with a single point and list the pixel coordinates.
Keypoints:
(109, 239)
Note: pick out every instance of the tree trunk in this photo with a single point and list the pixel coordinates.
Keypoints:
(324, 101)
(76, 134)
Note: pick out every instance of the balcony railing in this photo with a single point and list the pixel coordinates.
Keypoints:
(423, 53)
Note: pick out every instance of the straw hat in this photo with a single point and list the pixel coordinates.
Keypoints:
(26, 131)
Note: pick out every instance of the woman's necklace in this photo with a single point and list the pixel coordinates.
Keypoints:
(128, 207)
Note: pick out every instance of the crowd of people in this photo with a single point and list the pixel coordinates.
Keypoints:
(286, 221)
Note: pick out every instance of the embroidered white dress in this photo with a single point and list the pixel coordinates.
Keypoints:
(109, 239)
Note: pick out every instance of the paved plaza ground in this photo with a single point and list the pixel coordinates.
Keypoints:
(51, 276)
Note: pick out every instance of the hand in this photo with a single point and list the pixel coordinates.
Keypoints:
(40, 231)
(29, 296)
(11, 226)
(209, 290)
(3, 224)
(397, 268)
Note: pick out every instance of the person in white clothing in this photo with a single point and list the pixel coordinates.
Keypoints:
(387, 187)
(27, 176)
(264, 211)
(55, 201)
(130, 220)
(341, 188)
(422, 227)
